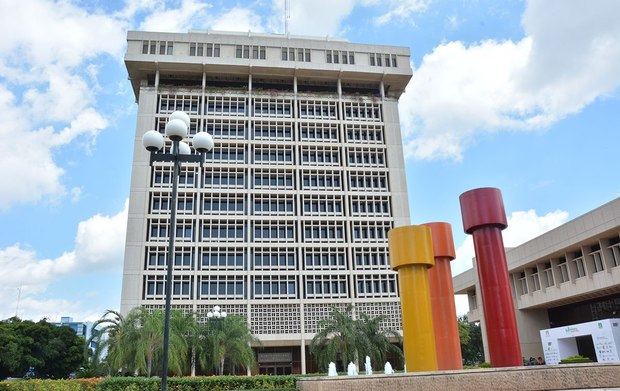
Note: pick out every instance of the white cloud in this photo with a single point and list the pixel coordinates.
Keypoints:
(238, 19)
(99, 245)
(312, 17)
(522, 226)
(190, 14)
(570, 56)
(401, 10)
(47, 98)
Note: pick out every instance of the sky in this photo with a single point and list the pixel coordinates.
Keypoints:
(520, 95)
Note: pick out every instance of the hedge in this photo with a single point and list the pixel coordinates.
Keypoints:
(575, 360)
(215, 383)
(50, 385)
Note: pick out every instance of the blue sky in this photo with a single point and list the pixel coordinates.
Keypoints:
(517, 95)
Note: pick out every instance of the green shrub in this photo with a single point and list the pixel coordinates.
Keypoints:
(50, 385)
(207, 383)
(575, 359)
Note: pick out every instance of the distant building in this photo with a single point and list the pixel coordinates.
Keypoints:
(83, 329)
(566, 276)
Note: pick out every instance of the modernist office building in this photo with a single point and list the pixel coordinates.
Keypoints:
(290, 212)
(566, 276)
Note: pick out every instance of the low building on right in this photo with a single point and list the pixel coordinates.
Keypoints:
(567, 276)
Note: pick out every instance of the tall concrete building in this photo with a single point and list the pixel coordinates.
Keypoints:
(290, 212)
(566, 276)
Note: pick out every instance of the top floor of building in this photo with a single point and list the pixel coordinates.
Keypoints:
(576, 261)
(277, 59)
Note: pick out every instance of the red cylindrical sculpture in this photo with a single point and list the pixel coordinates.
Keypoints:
(447, 341)
(484, 218)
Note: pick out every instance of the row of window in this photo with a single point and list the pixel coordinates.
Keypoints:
(271, 204)
(338, 56)
(270, 287)
(377, 59)
(256, 52)
(595, 259)
(198, 49)
(296, 54)
(231, 258)
(267, 231)
(157, 47)
(269, 107)
(283, 131)
(273, 179)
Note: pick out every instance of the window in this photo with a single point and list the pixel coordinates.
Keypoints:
(222, 287)
(154, 287)
(158, 230)
(322, 205)
(579, 267)
(243, 51)
(320, 156)
(273, 179)
(376, 285)
(273, 204)
(222, 258)
(321, 231)
(318, 109)
(223, 203)
(337, 56)
(370, 231)
(325, 258)
(271, 107)
(362, 111)
(224, 178)
(226, 128)
(394, 63)
(274, 287)
(368, 181)
(370, 206)
(535, 281)
(371, 258)
(614, 247)
(273, 231)
(295, 54)
(321, 180)
(273, 154)
(523, 283)
(150, 47)
(319, 132)
(226, 153)
(364, 134)
(225, 105)
(372, 59)
(168, 103)
(279, 130)
(326, 286)
(223, 231)
(156, 258)
(549, 281)
(563, 268)
(366, 157)
(274, 258)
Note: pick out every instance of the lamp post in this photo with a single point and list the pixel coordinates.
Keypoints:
(216, 313)
(176, 130)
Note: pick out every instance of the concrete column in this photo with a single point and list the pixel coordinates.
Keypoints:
(382, 89)
(303, 356)
(484, 218)
(339, 87)
(157, 78)
(411, 254)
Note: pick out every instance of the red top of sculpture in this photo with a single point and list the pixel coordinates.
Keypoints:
(483, 206)
(443, 244)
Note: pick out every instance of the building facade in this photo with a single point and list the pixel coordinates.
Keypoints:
(566, 276)
(289, 214)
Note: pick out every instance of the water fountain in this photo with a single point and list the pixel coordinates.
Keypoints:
(367, 366)
(331, 370)
(388, 368)
(352, 369)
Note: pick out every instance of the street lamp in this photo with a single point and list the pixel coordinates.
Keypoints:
(216, 313)
(176, 130)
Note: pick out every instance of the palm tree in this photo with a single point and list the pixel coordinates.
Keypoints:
(341, 338)
(338, 338)
(378, 341)
(226, 341)
(116, 333)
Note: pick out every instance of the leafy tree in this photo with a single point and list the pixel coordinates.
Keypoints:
(53, 351)
(471, 341)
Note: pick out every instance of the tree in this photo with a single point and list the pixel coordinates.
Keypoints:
(471, 342)
(377, 341)
(226, 341)
(53, 351)
(343, 339)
